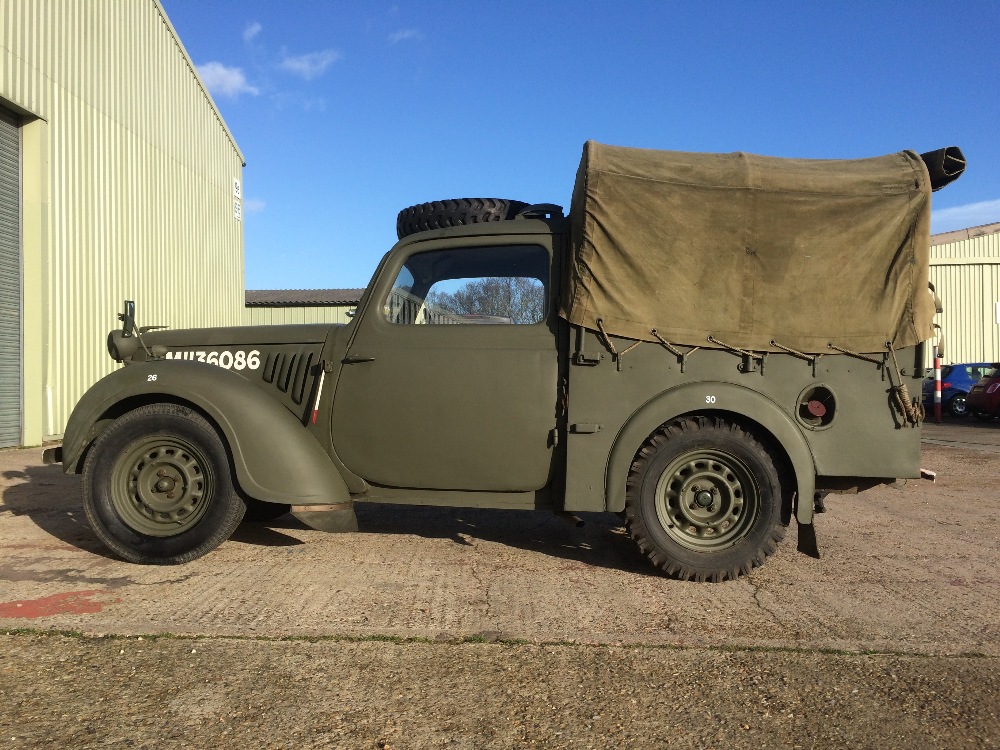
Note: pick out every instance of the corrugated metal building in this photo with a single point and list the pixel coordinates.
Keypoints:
(288, 306)
(118, 179)
(965, 270)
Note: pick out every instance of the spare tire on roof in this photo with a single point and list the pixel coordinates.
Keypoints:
(455, 212)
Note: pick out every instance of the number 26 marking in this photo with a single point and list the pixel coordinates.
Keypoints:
(150, 378)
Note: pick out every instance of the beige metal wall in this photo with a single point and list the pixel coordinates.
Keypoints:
(130, 171)
(965, 270)
(267, 316)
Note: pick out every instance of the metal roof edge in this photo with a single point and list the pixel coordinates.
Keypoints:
(302, 297)
(958, 235)
(201, 83)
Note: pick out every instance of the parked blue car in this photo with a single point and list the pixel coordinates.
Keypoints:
(956, 382)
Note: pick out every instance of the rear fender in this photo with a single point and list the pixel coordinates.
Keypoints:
(275, 457)
(728, 401)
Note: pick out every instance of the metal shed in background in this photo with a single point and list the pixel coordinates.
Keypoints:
(127, 185)
(965, 270)
(286, 306)
(10, 280)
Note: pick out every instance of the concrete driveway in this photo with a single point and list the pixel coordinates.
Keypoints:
(487, 629)
(913, 568)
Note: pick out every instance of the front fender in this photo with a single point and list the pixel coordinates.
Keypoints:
(275, 457)
(730, 398)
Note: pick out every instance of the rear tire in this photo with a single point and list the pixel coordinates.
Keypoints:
(455, 212)
(158, 487)
(704, 500)
(957, 406)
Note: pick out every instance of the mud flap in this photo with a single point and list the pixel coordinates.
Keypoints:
(336, 518)
(807, 540)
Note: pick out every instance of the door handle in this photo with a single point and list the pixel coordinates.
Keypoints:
(353, 360)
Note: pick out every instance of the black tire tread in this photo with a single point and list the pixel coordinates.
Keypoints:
(154, 551)
(455, 212)
(636, 524)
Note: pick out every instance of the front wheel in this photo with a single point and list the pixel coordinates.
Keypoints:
(704, 500)
(158, 488)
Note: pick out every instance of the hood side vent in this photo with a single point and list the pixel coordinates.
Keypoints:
(290, 372)
(302, 372)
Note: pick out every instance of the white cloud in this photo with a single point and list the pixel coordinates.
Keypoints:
(963, 217)
(310, 65)
(404, 35)
(251, 31)
(225, 81)
(254, 205)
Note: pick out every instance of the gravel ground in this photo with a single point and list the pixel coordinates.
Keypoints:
(163, 693)
(494, 629)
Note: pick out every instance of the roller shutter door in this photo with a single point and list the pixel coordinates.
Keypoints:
(10, 281)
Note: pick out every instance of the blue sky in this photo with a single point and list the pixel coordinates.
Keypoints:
(347, 112)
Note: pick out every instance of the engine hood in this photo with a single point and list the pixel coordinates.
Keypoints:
(166, 342)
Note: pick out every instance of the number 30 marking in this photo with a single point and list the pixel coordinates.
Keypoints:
(709, 399)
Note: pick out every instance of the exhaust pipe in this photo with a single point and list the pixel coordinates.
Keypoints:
(944, 165)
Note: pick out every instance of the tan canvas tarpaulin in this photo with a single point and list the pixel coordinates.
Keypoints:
(750, 249)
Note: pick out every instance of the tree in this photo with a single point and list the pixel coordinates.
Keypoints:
(516, 297)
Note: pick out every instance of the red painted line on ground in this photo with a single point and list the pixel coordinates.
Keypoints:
(70, 603)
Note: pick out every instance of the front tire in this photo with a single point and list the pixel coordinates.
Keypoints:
(704, 500)
(158, 487)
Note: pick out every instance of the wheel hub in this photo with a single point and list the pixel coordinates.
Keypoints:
(167, 484)
(706, 499)
(703, 498)
(161, 486)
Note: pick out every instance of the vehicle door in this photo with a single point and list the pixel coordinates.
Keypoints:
(450, 379)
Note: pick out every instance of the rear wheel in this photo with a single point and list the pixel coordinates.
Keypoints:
(957, 406)
(704, 500)
(158, 488)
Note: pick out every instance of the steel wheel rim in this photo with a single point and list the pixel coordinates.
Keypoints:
(707, 500)
(161, 486)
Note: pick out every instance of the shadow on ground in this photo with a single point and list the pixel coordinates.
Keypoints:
(52, 500)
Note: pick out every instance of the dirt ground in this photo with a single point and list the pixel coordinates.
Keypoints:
(482, 629)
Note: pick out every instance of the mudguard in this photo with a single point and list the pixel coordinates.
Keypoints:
(275, 457)
(729, 398)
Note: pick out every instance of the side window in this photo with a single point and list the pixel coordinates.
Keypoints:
(492, 285)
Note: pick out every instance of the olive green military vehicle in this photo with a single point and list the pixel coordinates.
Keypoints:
(705, 345)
